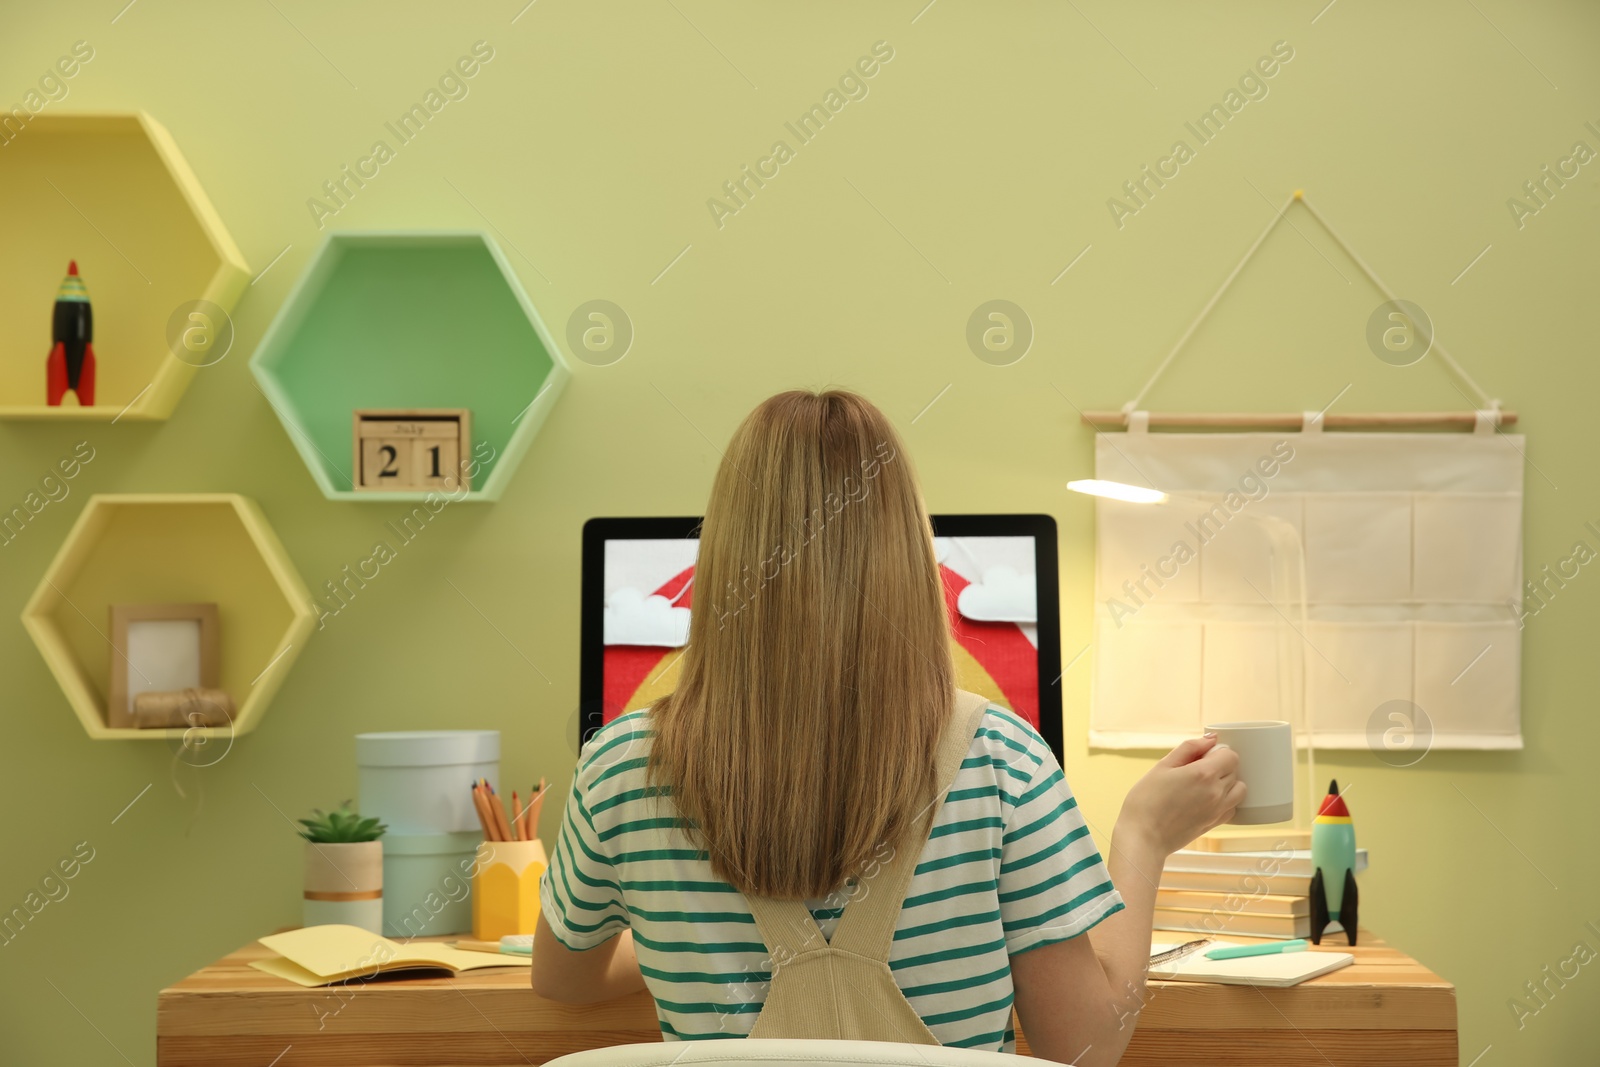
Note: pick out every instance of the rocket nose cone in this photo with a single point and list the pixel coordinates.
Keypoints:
(72, 267)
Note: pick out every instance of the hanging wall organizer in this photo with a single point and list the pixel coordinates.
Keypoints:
(1409, 558)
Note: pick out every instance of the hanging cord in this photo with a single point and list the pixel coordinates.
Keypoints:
(199, 785)
(1485, 401)
(1305, 699)
(190, 748)
(1133, 404)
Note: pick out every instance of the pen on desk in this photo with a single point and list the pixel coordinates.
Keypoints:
(1178, 952)
(1234, 952)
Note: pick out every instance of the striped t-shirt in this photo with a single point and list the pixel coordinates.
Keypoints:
(1008, 866)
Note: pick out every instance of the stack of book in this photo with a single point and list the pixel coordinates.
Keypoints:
(1241, 881)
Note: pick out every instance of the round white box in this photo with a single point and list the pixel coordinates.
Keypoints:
(420, 781)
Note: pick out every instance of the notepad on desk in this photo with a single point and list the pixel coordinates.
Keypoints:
(322, 955)
(1288, 863)
(1277, 971)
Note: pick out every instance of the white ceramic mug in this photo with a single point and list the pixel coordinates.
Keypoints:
(1266, 767)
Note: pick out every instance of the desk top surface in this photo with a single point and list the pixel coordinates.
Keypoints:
(231, 1006)
(1376, 965)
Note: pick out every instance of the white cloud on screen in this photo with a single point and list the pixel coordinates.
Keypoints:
(642, 563)
(1002, 595)
(632, 618)
(971, 556)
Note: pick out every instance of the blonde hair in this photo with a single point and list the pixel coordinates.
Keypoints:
(818, 675)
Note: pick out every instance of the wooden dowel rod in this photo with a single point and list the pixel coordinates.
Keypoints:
(1292, 420)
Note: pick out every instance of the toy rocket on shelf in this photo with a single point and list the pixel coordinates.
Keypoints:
(71, 362)
(1333, 858)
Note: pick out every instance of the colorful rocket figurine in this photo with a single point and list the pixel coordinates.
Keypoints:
(71, 362)
(1333, 857)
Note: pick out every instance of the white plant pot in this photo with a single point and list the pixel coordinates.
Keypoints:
(344, 884)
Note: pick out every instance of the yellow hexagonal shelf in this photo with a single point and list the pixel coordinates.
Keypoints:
(171, 548)
(112, 193)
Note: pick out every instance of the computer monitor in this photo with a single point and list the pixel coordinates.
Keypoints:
(999, 574)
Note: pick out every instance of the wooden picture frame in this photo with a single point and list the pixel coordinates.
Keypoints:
(203, 663)
(411, 449)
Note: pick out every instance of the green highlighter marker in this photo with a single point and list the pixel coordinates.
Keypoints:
(1234, 952)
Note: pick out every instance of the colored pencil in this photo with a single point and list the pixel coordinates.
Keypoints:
(493, 831)
(523, 822)
(538, 802)
(499, 811)
(480, 802)
(523, 825)
(470, 945)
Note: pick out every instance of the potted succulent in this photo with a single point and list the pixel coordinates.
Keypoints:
(344, 869)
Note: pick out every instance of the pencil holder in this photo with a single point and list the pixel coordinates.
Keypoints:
(505, 891)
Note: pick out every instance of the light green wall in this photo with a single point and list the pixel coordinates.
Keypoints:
(977, 168)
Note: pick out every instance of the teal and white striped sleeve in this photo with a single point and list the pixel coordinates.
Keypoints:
(580, 894)
(1053, 883)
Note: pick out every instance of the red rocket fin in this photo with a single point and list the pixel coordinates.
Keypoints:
(85, 388)
(55, 369)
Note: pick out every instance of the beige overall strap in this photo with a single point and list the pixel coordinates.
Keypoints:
(867, 926)
(787, 926)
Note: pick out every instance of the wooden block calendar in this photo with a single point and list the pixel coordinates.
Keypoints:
(412, 448)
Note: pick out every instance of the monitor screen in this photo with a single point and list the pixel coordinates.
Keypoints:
(999, 574)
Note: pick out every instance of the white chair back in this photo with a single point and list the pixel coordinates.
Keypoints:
(773, 1052)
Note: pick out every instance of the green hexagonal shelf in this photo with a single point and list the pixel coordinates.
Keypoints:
(112, 192)
(171, 548)
(429, 319)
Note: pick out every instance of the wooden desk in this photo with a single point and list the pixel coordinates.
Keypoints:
(1384, 1010)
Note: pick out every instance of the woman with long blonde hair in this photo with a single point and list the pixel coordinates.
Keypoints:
(818, 806)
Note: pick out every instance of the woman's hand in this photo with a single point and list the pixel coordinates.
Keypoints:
(1195, 786)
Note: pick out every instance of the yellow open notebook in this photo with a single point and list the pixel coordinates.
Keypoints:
(323, 955)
